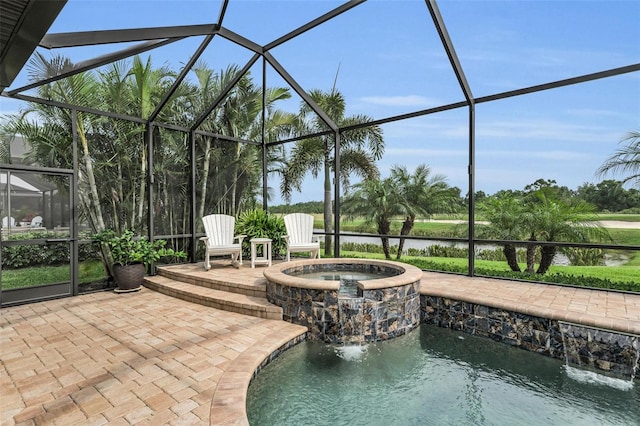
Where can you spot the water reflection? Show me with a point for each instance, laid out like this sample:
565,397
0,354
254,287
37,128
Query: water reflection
430,376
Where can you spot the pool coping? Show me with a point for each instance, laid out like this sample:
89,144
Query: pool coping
275,273
478,296
229,402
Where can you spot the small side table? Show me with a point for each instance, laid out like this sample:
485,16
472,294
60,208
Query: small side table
265,259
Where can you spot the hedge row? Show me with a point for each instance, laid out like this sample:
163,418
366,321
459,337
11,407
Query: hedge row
552,278
51,254
577,256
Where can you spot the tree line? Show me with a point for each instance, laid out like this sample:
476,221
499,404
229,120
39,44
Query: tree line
113,154
607,196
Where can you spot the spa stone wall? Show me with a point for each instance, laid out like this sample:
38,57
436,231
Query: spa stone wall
602,350
378,315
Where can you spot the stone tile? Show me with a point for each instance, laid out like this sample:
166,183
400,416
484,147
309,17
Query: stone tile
138,359
570,304
105,358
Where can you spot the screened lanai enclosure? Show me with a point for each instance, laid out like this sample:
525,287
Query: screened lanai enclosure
452,134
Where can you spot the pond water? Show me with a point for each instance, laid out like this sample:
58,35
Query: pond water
433,376
560,259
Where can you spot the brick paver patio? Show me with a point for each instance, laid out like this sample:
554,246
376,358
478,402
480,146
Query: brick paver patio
147,358
120,359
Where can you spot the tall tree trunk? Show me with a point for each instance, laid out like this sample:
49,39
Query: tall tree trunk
511,255
93,189
114,208
383,229
94,207
204,177
84,194
546,259
85,202
131,220
143,185
531,256
407,226
169,209
234,183
120,212
328,211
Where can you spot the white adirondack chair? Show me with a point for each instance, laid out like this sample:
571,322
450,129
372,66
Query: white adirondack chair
8,221
36,221
219,240
300,238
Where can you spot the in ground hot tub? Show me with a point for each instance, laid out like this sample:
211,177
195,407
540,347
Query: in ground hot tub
347,300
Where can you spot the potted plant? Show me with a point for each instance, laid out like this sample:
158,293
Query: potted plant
130,257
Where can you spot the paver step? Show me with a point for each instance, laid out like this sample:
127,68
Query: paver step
232,302
249,282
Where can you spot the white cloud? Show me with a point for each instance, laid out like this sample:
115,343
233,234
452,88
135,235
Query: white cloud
546,130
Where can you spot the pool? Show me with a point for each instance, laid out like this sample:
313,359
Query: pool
433,376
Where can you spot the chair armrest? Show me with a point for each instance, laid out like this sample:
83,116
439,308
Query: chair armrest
240,238
205,239
286,238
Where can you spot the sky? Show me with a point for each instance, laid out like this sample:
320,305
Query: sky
385,57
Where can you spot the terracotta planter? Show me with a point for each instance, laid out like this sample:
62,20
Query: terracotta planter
129,277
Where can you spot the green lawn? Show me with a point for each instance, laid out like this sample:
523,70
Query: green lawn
575,275
433,228
621,236
620,217
89,271
626,237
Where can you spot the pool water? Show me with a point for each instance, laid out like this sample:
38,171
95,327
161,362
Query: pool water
348,279
433,376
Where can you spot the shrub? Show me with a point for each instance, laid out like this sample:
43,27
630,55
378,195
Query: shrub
257,223
553,278
562,278
53,254
579,256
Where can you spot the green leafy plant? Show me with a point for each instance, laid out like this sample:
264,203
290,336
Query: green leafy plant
579,256
257,223
125,250
35,255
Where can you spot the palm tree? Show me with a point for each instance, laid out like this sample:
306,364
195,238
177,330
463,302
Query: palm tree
359,150
555,220
6,136
505,216
146,85
49,132
117,162
625,159
377,201
420,194
230,170
539,217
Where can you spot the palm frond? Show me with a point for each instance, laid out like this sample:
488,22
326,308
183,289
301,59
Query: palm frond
625,160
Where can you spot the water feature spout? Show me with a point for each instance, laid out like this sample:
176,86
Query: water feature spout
605,352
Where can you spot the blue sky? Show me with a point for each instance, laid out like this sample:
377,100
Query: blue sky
391,62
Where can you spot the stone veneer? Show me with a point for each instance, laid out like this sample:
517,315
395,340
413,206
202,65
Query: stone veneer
605,350
384,308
